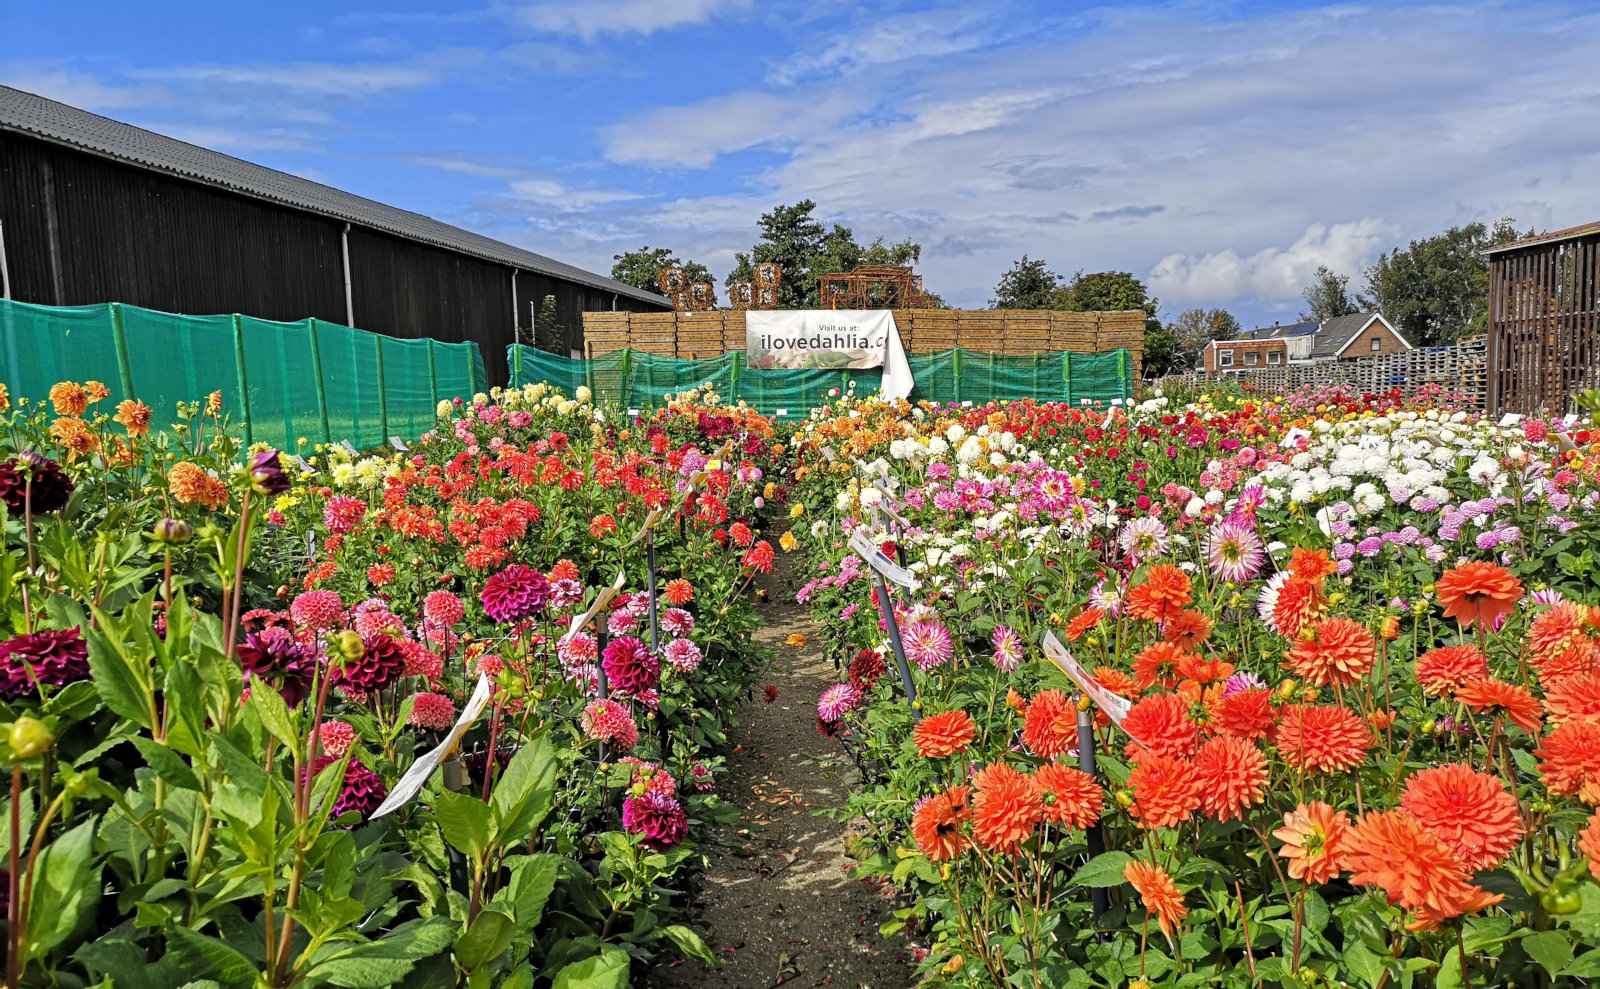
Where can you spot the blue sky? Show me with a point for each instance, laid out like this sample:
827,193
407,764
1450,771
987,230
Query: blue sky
1221,151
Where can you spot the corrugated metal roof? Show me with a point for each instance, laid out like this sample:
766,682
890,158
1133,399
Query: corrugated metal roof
29,113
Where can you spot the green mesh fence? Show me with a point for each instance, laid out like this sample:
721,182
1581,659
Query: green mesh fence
635,380
280,381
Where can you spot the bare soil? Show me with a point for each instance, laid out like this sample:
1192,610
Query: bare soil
778,904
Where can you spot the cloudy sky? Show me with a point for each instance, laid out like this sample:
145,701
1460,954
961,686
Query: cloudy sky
1219,150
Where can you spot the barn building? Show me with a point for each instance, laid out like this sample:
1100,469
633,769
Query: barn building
93,210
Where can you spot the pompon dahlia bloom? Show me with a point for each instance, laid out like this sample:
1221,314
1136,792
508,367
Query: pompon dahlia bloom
380,664
275,655
1415,869
936,824
515,593
866,669
342,514
657,817
1490,695
928,643
577,648
683,655
335,737
1444,670
1321,738
1313,836
946,734
1166,791
52,488
1160,723
421,661
1339,651
1165,590
1559,644
1246,713
676,621
1576,696
1006,807
435,712
837,701
1569,757
1159,894
1007,649
1233,777
1072,798
1478,592
443,608
679,592
629,666
605,720
317,610
53,658
1050,726
1234,552
1467,810
363,789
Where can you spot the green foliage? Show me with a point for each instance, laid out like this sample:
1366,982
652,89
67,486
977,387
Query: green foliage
1328,296
1436,290
643,268
1193,329
805,249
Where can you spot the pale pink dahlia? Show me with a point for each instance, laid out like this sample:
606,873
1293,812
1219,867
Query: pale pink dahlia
1007,648
435,712
684,655
317,610
928,643
606,720
837,701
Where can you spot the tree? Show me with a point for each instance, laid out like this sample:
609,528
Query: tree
805,249
642,268
1436,289
1328,296
1194,328
1116,290
1029,284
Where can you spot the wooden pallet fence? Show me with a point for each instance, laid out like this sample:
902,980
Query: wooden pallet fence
1460,369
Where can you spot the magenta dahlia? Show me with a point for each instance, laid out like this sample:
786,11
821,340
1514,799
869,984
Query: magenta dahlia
656,816
52,658
363,789
380,664
276,656
515,593
629,666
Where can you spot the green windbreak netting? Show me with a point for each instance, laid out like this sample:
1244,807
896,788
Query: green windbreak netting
636,380
280,382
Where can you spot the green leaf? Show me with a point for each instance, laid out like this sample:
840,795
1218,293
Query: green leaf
167,763
487,939
1363,963
1550,949
382,963
1585,966
690,943
124,684
524,791
185,709
198,954
607,970
532,879
464,821
273,712
67,888
74,702
1103,870
1449,976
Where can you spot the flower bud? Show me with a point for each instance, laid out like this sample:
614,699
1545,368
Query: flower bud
173,532
266,473
30,738
1287,688
349,646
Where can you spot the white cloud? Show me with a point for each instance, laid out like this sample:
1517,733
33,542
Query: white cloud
232,139
1275,273
324,79
76,88
463,166
590,19
548,192
882,41
696,135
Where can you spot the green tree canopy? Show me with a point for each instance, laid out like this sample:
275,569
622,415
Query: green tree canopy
805,249
1194,328
1436,290
1029,284
1328,296
643,267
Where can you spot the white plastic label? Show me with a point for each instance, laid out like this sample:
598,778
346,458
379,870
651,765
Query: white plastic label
604,598
893,572
398,444
1116,708
412,780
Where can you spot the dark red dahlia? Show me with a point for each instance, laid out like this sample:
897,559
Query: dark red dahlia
866,669
515,593
51,486
363,789
629,666
55,657
380,664
257,619
656,816
275,655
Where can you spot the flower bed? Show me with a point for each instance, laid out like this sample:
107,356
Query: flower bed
221,662
1349,676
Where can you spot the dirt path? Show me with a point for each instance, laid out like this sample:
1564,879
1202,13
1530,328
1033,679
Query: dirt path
778,904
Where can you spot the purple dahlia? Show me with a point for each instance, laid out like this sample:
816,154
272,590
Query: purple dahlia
380,664
275,655
266,473
55,657
363,789
51,486
515,593
629,666
656,816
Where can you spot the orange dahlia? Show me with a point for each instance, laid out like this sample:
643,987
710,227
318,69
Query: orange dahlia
1161,724
1444,670
69,398
1165,591
1166,791
1247,713
1338,650
944,734
936,825
1085,620
1559,644
1159,894
1156,663
1198,669
1478,592
1589,844
1186,629
1322,738
1050,726
1298,604
191,484
1415,869
1469,811
1576,696
1313,837
1233,777
1313,565
1116,681
1489,694
1569,757
1072,798
1006,807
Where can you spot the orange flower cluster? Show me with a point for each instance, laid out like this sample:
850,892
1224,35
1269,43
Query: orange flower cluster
945,734
1478,592
190,484
1333,651
1165,592
1414,867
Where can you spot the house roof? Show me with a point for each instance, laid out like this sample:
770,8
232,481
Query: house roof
1330,337
39,117
1567,233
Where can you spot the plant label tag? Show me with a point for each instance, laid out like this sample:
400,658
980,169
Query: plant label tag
411,782
1116,708
600,601
398,444
781,413
883,506
347,448
633,413
966,405
891,571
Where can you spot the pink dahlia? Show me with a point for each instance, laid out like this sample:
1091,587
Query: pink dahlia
684,655
420,660
53,658
343,513
577,649
565,592
928,643
373,617
363,789
677,621
443,608
335,737
701,779
317,610
837,701
515,593
659,818
1007,648
435,712
629,666
623,621
606,720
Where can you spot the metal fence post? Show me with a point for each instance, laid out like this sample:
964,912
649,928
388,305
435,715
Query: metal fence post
322,390
896,646
244,380
383,392
120,339
1095,835
955,363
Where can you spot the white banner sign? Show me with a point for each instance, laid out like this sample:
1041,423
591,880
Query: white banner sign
829,339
